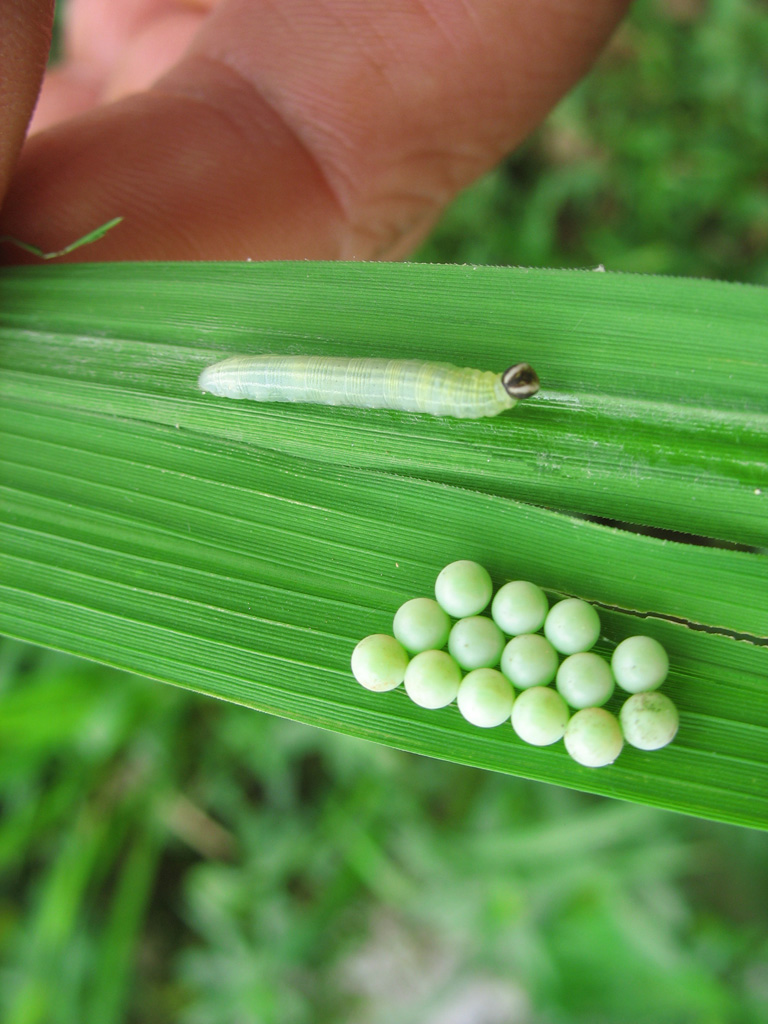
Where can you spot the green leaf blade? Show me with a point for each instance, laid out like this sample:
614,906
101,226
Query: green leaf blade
242,550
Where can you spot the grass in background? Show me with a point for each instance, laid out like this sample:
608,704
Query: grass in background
655,164
250,869
164,857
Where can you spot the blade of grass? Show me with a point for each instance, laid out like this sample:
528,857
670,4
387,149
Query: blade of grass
91,236
42,956
192,539
251,579
653,402
111,975
54,462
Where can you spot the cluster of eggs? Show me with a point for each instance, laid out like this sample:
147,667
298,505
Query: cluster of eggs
483,670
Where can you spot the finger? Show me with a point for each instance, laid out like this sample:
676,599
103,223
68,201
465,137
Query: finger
301,129
25,38
113,49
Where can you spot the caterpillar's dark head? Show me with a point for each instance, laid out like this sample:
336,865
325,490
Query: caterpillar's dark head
520,381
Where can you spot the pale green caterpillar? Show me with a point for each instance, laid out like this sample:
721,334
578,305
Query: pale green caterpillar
409,385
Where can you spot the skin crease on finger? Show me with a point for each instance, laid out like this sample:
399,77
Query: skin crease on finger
293,129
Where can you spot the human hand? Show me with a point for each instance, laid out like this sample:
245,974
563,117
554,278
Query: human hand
272,129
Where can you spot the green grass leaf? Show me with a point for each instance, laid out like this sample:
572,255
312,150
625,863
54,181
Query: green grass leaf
242,549
87,239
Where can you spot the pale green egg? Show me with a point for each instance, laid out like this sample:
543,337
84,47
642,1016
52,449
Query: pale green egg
519,607
529,660
463,588
432,679
476,642
379,662
585,680
593,737
485,697
649,720
421,625
572,626
539,716
640,663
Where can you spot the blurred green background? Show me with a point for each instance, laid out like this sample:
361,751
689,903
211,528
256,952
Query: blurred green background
165,857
